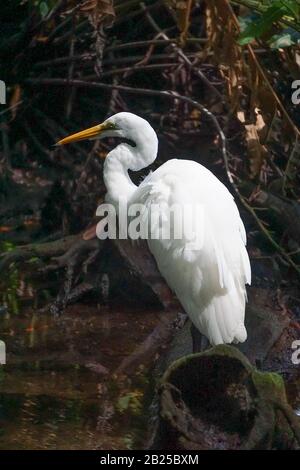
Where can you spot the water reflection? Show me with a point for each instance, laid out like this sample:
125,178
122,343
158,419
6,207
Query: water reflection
57,389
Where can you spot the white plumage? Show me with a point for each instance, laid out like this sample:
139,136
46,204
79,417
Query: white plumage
209,280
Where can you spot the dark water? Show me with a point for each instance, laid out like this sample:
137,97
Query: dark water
58,390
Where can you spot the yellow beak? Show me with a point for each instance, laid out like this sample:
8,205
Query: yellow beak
89,133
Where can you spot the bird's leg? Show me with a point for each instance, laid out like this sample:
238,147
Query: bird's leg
197,339
200,342
205,344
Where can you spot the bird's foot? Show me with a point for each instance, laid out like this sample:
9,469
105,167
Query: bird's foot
200,342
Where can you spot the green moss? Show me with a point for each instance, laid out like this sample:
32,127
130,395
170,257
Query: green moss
270,385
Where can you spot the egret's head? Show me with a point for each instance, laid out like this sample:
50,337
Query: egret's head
125,125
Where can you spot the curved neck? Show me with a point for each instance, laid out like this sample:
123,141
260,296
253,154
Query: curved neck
116,166
115,175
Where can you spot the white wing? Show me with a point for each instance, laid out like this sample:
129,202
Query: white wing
208,279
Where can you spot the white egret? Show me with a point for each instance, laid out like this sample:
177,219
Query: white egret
210,281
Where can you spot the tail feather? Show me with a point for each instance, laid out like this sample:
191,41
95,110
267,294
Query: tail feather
222,321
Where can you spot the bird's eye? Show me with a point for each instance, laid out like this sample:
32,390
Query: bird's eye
110,126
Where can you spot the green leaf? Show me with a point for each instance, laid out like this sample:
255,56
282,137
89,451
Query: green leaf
279,41
292,6
131,401
257,28
123,403
44,9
